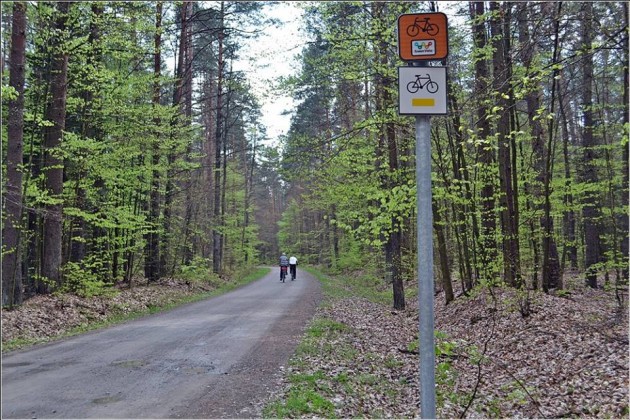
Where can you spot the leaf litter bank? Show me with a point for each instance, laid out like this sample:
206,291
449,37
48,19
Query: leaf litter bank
567,358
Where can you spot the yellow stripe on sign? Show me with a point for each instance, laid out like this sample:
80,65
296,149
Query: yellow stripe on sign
422,102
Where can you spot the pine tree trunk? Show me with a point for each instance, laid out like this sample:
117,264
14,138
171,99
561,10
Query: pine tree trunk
395,239
541,162
79,237
168,252
445,270
11,229
509,202
623,217
53,164
467,249
186,53
568,218
487,243
588,170
551,274
216,232
152,248
388,149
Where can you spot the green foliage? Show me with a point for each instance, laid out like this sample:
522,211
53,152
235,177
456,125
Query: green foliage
121,149
81,280
197,269
352,259
241,239
348,184
563,293
8,93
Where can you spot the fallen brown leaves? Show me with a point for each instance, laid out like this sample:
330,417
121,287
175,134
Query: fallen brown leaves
48,316
567,358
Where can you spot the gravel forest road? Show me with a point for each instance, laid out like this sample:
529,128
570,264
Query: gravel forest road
216,358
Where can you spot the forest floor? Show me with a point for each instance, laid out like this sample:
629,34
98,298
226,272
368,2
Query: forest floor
46,317
567,358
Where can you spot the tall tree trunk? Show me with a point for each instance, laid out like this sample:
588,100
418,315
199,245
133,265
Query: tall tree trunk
468,249
216,232
224,143
11,226
53,164
551,274
186,107
623,222
181,96
487,243
395,237
209,118
568,218
33,171
541,157
79,234
445,269
152,248
509,201
249,187
588,170
388,149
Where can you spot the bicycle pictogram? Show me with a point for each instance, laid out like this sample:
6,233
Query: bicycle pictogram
421,82
417,26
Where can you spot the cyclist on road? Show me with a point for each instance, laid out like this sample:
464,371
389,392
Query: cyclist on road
293,267
284,262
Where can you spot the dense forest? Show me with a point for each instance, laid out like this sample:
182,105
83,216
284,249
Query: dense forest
132,151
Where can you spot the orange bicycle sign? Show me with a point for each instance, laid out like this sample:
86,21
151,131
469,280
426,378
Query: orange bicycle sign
422,36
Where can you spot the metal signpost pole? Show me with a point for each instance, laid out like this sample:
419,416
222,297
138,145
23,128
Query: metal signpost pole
422,38
424,219
425,266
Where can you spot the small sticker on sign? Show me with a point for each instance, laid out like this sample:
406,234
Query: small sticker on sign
423,47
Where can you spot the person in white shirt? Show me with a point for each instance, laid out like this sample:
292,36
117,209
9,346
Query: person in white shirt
293,267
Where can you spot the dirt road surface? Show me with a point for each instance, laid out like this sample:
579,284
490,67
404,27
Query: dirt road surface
212,359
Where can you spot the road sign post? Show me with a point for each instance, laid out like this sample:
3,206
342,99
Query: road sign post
423,92
424,217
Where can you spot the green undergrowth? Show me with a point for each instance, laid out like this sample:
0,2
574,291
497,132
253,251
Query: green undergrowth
118,315
364,284
309,392
316,391
313,392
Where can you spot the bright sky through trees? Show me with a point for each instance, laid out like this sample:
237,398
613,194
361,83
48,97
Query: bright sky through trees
270,56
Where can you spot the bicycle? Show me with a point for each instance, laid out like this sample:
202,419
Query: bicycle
283,273
416,85
429,28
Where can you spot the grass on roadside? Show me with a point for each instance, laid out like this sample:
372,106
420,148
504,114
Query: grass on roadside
365,285
119,316
313,391
309,392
